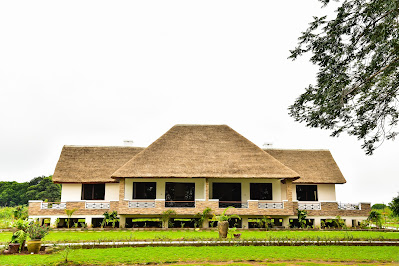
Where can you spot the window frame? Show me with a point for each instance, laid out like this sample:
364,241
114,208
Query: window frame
316,196
251,185
85,188
134,186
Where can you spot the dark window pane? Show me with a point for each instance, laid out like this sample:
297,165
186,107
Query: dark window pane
306,192
261,191
93,191
229,194
144,190
99,192
179,194
226,191
87,191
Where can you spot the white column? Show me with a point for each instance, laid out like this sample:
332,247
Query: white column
89,221
122,221
317,222
286,222
53,222
348,222
244,221
205,223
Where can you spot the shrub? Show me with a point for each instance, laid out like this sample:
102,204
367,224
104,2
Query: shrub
36,231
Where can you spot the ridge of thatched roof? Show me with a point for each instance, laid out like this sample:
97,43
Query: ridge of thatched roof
204,151
314,166
91,164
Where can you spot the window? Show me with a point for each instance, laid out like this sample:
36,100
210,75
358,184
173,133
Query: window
306,192
229,194
179,194
93,191
144,190
261,191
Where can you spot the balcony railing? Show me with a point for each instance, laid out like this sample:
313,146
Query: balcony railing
349,206
97,205
179,204
270,205
235,204
142,204
53,205
309,206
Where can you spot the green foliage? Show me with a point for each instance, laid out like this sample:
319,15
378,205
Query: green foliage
378,206
357,53
224,216
206,213
39,188
21,224
69,213
264,222
110,218
302,218
394,206
21,234
376,218
37,231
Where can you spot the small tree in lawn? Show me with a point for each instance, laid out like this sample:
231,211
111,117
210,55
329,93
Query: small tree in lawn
69,213
302,218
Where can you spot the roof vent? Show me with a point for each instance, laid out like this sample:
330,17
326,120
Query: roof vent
128,143
267,144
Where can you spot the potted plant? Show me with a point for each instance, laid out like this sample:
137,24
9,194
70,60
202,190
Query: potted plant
223,222
19,237
36,232
17,242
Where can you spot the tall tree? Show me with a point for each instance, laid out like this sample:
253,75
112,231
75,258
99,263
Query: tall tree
357,86
394,205
39,188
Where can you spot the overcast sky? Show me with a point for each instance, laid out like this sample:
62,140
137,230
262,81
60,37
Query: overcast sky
100,72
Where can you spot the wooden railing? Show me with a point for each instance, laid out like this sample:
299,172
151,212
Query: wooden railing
235,204
179,204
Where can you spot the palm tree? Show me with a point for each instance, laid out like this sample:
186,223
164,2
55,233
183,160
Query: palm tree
69,213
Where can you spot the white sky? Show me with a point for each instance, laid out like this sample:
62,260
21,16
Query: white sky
100,72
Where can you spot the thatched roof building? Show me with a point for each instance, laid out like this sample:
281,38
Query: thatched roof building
313,166
204,151
189,151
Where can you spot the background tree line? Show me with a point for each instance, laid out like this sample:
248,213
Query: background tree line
39,188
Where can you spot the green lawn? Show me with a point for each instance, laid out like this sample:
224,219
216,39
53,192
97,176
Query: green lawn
145,255
80,236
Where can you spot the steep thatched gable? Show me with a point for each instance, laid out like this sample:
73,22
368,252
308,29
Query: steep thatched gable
91,164
204,151
314,166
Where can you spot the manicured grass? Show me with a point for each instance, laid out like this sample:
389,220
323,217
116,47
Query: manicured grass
84,236
145,255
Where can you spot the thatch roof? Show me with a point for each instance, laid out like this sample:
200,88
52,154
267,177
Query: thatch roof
314,166
91,164
204,151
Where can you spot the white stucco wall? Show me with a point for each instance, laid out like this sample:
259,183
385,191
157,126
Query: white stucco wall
325,192
111,191
199,186
73,192
245,187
